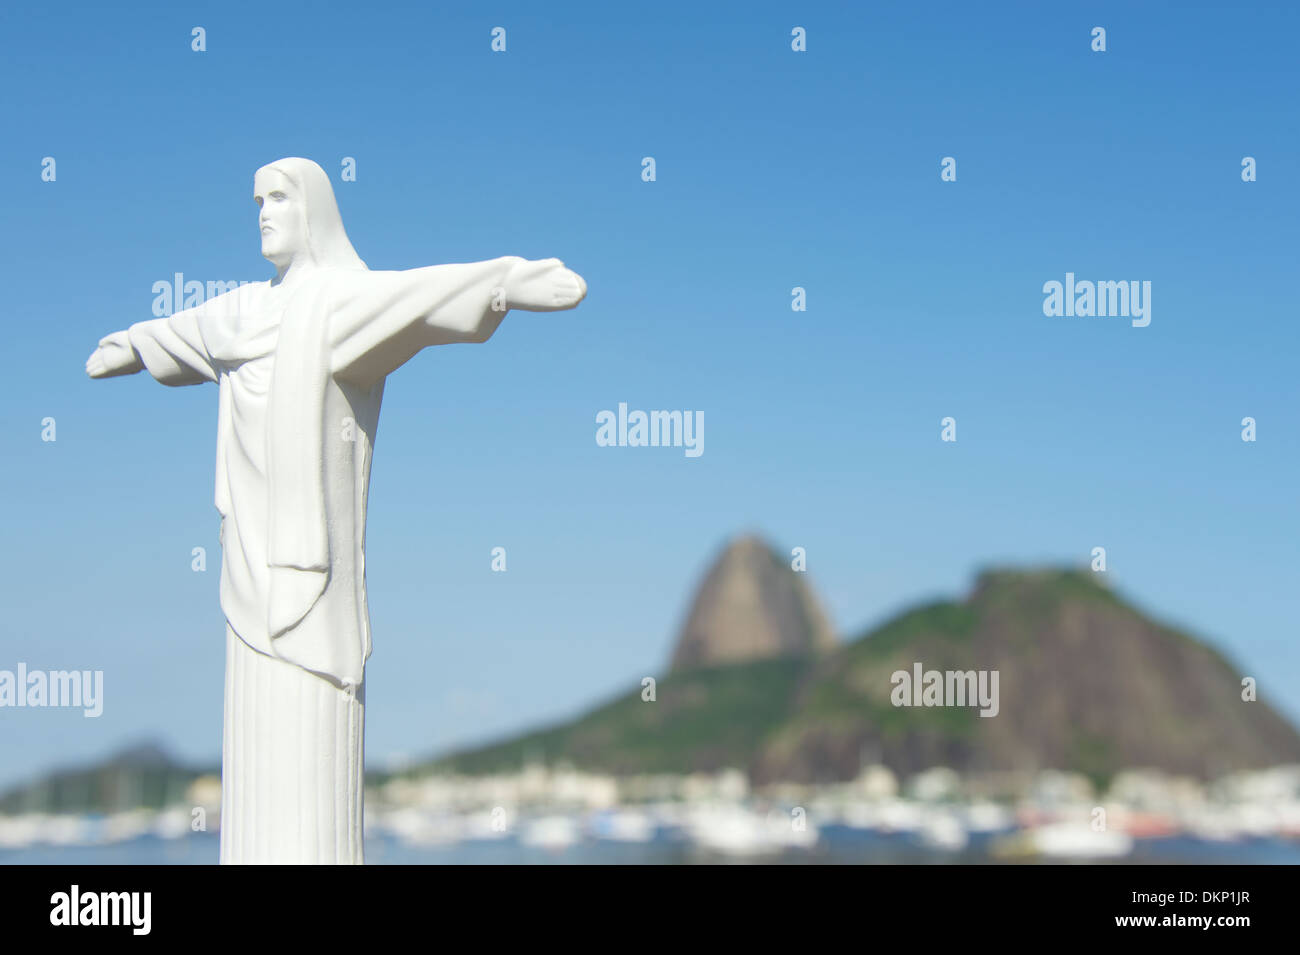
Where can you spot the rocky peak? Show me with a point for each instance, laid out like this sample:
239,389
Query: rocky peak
751,605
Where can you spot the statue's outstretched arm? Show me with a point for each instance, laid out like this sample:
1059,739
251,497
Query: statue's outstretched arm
172,349
379,320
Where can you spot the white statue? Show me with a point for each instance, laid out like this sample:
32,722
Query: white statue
300,363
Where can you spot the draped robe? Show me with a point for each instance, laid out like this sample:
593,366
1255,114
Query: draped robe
309,630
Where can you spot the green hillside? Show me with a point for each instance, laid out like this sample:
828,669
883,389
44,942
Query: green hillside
1086,683
702,719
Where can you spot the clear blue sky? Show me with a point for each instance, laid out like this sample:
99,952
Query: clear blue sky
775,169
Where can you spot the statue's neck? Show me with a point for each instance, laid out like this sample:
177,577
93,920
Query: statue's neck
293,274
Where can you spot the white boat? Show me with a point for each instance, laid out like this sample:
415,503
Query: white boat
174,823
623,825
486,826
19,832
1073,840
738,831
67,830
124,826
988,817
550,832
419,828
898,815
944,831
730,830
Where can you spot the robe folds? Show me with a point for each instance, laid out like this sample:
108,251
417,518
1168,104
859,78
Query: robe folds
301,378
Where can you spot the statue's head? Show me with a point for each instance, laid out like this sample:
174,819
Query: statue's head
299,219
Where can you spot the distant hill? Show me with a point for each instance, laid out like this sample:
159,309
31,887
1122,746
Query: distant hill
1086,683
751,606
143,775
703,719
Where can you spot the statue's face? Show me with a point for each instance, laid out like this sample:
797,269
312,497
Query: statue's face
282,217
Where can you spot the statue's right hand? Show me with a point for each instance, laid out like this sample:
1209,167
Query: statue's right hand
113,357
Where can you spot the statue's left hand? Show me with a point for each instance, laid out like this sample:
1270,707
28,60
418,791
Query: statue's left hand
114,356
543,285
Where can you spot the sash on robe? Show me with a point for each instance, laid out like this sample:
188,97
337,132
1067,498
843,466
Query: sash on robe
298,542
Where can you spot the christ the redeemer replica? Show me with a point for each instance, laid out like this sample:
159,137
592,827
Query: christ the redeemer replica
300,363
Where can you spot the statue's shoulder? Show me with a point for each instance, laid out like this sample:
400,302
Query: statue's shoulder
334,279
246,291
245,299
